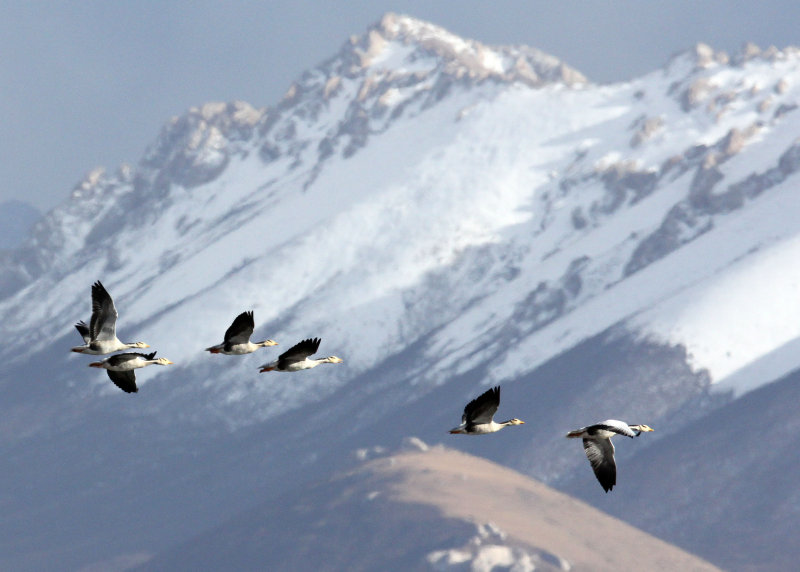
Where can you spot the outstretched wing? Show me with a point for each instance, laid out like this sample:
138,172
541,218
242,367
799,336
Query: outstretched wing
103,325
600,453
83,330
125,380
240,331
482,409
618,427
298,352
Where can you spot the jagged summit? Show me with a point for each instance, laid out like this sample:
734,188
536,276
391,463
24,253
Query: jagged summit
195,147
401,56
398,62
458,56
375,78
701,57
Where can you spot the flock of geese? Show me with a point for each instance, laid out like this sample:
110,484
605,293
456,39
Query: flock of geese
100,338
478,419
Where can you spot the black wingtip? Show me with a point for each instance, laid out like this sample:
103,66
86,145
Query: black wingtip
493,391
99,291
312,343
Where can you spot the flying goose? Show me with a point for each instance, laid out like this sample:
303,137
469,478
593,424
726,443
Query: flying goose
296,358
237,338
100,336
600,450
120,368
478,415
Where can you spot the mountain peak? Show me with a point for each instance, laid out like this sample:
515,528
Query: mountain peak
701,57
394,25
195,147
458,56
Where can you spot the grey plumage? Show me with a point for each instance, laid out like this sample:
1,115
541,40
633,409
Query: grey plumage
600,450
100,336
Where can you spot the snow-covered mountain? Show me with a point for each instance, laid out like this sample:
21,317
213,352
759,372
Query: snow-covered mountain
445,216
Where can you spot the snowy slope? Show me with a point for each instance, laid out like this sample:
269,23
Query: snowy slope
282,211
444,215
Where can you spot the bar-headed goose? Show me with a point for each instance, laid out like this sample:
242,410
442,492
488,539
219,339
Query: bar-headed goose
120,368
479,413
100,337
296,358
600,450
237,337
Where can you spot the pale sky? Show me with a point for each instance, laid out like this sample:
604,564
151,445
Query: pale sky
90,83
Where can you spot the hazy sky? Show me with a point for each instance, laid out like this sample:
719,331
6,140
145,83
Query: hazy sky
90,83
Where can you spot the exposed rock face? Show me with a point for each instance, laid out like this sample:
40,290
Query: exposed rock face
646,128
195,148
399,67
434,62
696,93
695,216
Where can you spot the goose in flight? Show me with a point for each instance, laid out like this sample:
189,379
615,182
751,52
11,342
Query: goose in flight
237,337
478,415
120,368
600,450
296,358
100,336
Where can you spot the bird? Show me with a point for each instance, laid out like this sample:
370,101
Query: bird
600,450
478,415
100,336
237,337
296,358
120,368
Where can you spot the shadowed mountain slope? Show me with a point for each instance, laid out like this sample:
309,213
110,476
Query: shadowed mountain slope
432,510
735,471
